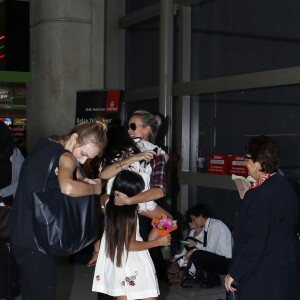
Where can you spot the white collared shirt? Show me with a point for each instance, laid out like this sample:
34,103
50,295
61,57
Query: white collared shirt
219,239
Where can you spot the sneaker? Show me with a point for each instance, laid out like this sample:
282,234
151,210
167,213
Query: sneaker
201,276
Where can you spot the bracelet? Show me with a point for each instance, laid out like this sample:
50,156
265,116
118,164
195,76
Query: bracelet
95,252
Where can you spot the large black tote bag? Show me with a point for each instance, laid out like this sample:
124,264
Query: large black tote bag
63,225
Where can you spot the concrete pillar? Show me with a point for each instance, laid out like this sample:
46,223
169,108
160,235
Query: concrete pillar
67,55
166,37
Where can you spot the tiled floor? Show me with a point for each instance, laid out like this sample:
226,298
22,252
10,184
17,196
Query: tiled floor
75,283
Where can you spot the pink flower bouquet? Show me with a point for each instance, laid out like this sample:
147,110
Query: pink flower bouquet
164,225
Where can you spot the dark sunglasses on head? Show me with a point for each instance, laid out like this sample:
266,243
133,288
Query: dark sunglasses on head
133,126
247,157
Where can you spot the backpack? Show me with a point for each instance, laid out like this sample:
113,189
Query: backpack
175,274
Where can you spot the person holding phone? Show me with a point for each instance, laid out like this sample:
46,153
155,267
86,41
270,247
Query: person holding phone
182,258
212,252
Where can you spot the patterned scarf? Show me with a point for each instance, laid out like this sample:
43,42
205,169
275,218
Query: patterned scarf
259,182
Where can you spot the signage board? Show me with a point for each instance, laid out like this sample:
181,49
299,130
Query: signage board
93,105
237,166
217,164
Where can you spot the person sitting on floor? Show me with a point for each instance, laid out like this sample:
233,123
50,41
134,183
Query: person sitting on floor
182,258
212,253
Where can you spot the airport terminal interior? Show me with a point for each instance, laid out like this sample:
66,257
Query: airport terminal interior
218,71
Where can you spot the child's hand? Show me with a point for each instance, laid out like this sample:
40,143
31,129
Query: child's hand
93,260
163,240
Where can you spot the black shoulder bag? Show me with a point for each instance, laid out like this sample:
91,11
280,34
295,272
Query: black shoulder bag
63,225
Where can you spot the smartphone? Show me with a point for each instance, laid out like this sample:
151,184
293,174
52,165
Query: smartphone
155,150
186,242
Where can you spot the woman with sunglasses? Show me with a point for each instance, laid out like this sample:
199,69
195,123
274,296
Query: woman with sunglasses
265,256
143,127
142,124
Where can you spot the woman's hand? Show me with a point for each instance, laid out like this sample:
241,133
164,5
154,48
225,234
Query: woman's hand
92,181
121,199
93,260
96,184
228,283
147,156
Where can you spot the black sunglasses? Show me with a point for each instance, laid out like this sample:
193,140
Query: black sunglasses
133,126
247,157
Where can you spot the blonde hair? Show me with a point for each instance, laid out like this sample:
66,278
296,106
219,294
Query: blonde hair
94,132
148,119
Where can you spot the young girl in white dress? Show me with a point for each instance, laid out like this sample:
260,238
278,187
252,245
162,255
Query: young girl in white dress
124,267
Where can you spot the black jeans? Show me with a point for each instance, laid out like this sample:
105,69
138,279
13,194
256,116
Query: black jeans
210,262
37,274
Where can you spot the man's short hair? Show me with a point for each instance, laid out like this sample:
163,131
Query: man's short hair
198,210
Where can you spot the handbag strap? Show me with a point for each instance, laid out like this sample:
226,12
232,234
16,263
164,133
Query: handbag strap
48,172
78,165
81,170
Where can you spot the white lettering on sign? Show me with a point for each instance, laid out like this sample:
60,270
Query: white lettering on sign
218,157
238,163
98,109
217,161
239,158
